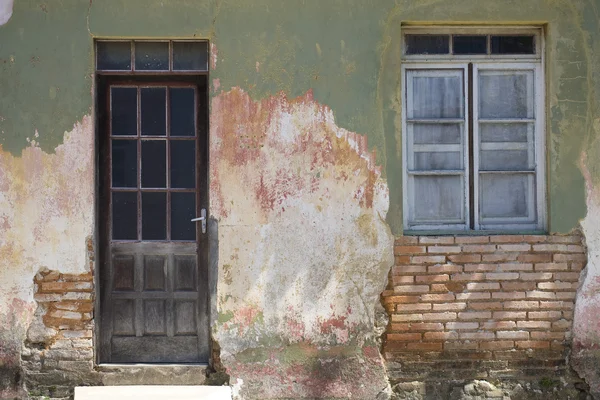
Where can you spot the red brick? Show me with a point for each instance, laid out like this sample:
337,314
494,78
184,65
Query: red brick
480,267
534,238
561,324
570,257
516,267
472,239
532,344
445,268
544,315
510,315
409,249
501,276
518,285
564,239
438,287
413,307
477,335
508,295
468,277
400,327
426,326
506,239
533,325
408,269
497,325
521,305
535,276
556,305
538,294
440,336
539,257
567,276
441,316
404,240
483,286
497,344
404,337
57,287
396,280
514,247
411,289
515,335
568,314
550,247
499,257
77,277
486,305
468,345
436,239
443,249
449,307
401,299
428,259
401,260
437,297
557,285
431,346
551,267
548,335
465,258
577,266
472,315
473,296
566,295
406,317
479,248
573,248
432,278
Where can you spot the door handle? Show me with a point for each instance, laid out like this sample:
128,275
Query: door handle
202,218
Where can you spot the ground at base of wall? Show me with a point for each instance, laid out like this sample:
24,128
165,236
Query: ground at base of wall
543,389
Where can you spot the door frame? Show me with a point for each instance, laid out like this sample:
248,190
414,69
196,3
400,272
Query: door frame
103,81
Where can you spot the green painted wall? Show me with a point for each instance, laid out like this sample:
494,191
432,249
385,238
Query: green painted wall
346,51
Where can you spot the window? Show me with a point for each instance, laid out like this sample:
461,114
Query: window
473,130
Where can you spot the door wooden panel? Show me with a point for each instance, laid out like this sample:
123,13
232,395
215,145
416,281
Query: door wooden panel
154,290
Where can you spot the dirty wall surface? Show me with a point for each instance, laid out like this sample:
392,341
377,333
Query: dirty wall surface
305,168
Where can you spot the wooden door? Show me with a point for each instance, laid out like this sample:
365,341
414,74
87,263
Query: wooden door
154,292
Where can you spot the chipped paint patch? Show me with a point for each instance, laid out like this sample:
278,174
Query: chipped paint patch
303,245
6,10
46,212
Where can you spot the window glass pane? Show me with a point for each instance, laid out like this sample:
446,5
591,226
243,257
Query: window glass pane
183,210
426,161
190,56
498,132
154,164
113,56
505,195
154,216
182,104
503,160
124,215
438,198
513,45
152,56
506,94
154,111
436,96
463,44
183,164
436,133
123,111
124,163
427,44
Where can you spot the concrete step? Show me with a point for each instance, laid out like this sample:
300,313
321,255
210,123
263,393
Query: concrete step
153,392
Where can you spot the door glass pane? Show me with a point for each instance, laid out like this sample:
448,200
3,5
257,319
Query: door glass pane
436,97
113,56
182,105
513,45
123,111
506,94
427,44
151,56
183,164
438,198
124,163
497,132
154,164
503,160
183,210
425,161
505,195
464,44
154,111
124,215
190,56
154,216
436,133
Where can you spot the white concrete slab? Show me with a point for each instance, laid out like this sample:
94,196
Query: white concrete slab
153,392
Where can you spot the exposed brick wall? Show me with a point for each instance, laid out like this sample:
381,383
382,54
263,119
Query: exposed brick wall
481,306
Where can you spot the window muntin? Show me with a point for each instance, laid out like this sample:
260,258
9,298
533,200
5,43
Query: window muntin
473,150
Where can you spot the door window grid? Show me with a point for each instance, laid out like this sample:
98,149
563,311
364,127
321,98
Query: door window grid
526,173
176,198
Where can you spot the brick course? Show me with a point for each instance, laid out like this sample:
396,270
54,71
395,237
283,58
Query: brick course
503,298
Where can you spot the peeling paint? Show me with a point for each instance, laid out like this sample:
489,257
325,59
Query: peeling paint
6,10
285,173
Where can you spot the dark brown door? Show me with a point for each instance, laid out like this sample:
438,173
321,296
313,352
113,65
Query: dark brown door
154,299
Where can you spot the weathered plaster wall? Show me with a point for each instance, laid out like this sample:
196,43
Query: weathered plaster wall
287,75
